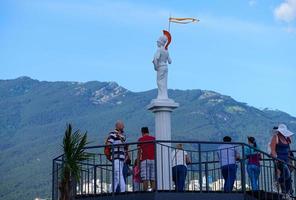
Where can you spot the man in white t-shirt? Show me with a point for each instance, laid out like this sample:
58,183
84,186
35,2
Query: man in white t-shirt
180,159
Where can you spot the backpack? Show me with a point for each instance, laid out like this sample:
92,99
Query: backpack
107,150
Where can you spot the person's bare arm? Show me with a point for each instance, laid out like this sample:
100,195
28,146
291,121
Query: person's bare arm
139,155
188,160
273,145
109,140
127,153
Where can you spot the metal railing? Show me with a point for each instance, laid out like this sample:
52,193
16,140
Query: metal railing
204,172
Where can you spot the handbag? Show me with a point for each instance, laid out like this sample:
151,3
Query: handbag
127,171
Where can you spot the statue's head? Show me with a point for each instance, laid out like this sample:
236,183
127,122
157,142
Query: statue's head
162,40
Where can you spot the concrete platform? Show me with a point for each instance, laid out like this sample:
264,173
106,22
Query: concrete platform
168,195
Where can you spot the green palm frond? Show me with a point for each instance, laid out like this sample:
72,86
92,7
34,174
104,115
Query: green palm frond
74,153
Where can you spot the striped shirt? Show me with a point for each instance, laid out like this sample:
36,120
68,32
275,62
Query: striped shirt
116,138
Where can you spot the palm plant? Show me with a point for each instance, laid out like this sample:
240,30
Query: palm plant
74,153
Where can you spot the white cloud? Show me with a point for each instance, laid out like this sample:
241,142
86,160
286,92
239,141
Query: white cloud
286,11
290,29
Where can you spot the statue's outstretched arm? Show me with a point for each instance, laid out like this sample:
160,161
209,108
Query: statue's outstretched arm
169,59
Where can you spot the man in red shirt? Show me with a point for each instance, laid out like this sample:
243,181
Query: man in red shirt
146,156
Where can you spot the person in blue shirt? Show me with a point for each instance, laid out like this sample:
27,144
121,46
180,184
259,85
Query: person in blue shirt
253,163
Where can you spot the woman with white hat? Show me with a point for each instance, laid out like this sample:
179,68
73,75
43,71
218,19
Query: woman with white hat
280,149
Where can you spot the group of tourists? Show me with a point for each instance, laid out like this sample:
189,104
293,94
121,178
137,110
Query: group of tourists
228,155
279,149
144,165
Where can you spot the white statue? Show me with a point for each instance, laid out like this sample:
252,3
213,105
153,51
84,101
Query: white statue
161,58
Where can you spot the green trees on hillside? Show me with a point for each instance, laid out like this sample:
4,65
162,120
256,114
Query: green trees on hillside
73,148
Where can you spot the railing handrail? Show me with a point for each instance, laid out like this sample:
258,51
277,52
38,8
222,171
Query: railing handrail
166,141
189,142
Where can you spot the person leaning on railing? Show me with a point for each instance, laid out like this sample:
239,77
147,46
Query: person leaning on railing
253,163
280,149
228,155
180,160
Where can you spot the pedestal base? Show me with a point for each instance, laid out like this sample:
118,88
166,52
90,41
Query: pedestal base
162,108
157,105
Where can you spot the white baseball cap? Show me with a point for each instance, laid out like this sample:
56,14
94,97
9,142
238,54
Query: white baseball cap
282,128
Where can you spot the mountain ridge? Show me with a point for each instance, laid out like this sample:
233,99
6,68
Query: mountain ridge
114,83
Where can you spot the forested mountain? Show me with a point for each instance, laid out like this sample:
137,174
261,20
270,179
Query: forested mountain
33,116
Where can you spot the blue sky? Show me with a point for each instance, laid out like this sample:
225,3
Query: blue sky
241,48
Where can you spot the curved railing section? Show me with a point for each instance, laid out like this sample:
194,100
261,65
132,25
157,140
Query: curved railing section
204,173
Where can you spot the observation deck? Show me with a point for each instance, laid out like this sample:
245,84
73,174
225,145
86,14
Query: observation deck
204,179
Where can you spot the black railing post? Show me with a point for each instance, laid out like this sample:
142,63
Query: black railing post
243,170
294,181
53,180
200,167
170,167
95,179
74,187
161,158
80,183
101,175
207,173
155,166
113,173
57,193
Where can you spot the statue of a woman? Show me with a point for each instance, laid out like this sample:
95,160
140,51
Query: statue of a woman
161,58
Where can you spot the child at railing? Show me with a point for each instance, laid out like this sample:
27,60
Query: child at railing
136,177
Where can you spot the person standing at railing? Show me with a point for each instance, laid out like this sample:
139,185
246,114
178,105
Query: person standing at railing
146,156
253,163
280,149
228,155
180,159
118,158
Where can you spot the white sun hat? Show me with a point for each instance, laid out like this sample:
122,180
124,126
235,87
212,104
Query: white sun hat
282,128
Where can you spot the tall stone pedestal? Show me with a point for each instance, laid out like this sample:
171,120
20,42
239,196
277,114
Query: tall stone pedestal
162,108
